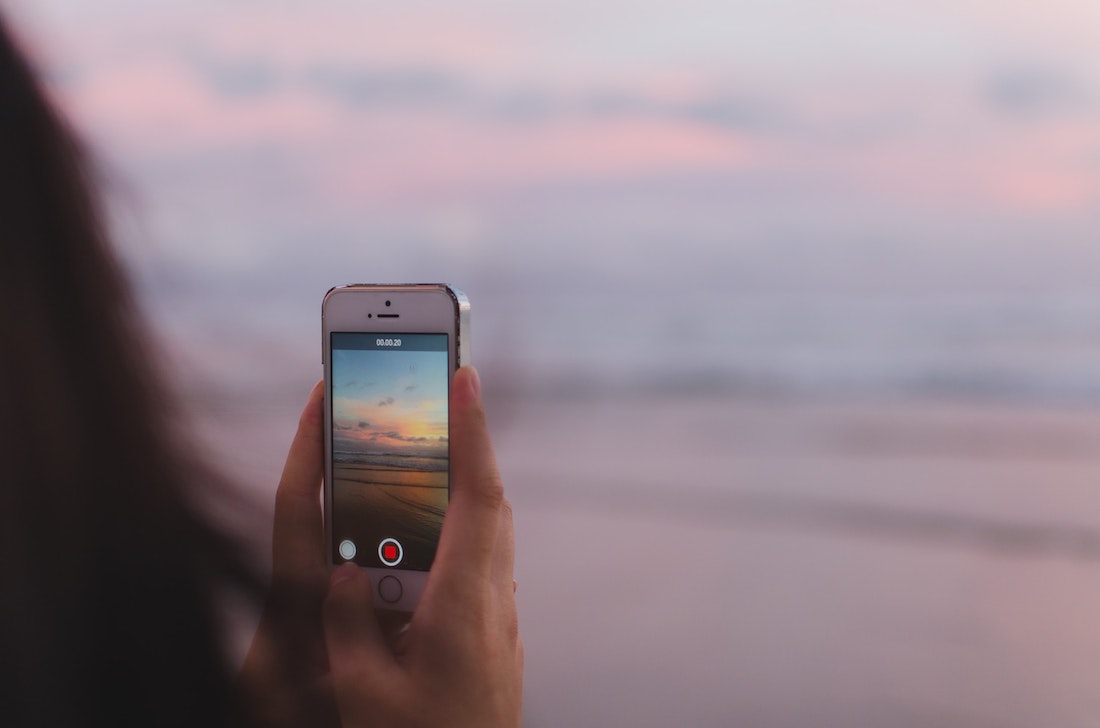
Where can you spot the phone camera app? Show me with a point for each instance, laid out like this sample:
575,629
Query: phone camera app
347,550
390,442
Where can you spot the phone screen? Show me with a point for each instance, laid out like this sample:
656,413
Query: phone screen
389,447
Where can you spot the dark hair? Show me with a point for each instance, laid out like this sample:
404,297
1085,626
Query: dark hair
110,573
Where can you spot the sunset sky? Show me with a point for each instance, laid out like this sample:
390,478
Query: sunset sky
390,402
715,156
993,101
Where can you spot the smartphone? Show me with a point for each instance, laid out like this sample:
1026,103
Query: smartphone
390,352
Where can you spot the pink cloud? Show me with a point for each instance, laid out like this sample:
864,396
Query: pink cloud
161,106
401,155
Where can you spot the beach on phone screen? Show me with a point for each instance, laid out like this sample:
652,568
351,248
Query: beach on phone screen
390,446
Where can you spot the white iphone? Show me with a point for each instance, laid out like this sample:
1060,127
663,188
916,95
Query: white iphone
390,352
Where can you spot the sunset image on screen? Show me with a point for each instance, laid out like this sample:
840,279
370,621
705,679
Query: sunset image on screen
389,444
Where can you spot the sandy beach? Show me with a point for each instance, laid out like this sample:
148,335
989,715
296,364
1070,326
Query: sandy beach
715,562
407,505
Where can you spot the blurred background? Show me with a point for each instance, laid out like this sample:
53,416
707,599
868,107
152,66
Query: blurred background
787,313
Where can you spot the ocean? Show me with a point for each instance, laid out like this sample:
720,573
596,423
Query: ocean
537,336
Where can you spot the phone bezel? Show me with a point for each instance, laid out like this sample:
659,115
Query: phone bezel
419,309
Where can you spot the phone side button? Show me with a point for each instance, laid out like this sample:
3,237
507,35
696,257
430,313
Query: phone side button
390,589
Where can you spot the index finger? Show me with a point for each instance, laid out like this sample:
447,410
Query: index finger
297,548
470,528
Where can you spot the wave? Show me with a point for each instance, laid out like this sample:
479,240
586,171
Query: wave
393,460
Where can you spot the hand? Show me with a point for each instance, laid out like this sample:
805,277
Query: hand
284,680
460,661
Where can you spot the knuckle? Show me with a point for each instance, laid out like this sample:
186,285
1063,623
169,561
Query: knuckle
490,491
282,494
511,628
284,502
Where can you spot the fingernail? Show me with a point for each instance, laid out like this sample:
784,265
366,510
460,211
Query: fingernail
343,573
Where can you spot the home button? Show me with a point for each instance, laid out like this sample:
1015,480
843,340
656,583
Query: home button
390,589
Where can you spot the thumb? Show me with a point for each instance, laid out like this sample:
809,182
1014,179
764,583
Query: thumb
360,661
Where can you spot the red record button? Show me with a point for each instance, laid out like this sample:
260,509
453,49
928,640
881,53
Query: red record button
390,552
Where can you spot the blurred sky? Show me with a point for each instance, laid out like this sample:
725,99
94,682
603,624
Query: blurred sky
830,198
792,194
